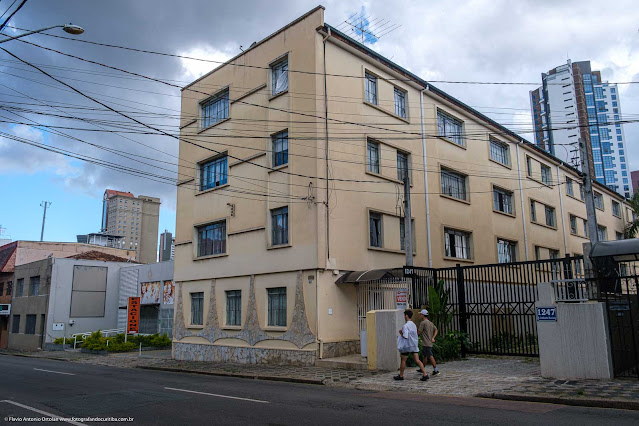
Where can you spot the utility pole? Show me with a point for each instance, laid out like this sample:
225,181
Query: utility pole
44,204
408,224
588,193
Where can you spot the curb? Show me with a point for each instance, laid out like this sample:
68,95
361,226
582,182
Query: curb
239,375
36,357
622,404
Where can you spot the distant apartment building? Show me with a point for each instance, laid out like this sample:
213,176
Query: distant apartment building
167,247
634,177
135,220
574,102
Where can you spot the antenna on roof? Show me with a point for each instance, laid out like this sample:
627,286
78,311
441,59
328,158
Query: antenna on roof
367,29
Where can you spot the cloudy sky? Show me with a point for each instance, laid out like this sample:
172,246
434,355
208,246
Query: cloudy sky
490,40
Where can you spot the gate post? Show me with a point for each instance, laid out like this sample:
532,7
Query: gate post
461,303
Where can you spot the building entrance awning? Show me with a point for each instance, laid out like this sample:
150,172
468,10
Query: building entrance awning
354,277
619,250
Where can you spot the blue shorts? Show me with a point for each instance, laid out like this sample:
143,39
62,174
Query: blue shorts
427,351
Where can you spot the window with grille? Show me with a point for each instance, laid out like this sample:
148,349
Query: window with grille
550,216
279,226
279,76
197,308
402,165
213,173
598,200
499,152
573,224
616,208
34,286
454,184
211,239
546,175
457,243
506,251
371,88
215,109
449,128
372,156
400,103
280,148
503,201
533,211
375,229
277,306
602,233
30,325
569,189
234,307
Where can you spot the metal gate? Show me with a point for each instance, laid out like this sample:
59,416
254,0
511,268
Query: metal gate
379,294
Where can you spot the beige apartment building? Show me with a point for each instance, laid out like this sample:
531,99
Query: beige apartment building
292,156
135,220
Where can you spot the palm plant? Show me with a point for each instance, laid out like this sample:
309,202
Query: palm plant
632,229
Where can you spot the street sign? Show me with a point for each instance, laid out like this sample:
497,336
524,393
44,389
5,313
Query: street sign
408,271
401,298
547,314
133,322
5,308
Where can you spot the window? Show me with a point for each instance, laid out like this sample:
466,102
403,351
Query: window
529,166
375,229
586,232
573,224
503,200
602,233
499,153
371,88
546,175
15,324
277,306
30,326
9,287
279,76
569,189
215,109
449,128
372,157
213,173
280,148
533,211
402,165
197,308
581,191
279,226
34,286
402,234
619,235
1,288
453,184
400,103
616,208
553,254
457,244
234,307
598,200
211,239
506,251
550,216
20,287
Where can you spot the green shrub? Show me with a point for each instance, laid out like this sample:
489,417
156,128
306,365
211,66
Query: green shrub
115,346
59,341
449,346
94,342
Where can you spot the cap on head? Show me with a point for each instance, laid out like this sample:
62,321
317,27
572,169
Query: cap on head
424,312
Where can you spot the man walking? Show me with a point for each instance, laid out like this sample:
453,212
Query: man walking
428,332
407,344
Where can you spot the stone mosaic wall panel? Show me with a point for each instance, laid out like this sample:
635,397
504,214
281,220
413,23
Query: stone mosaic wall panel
242,355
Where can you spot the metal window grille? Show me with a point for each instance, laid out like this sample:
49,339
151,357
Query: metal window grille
546,175
212,239
550,216
279,226
277,306
34,286
506,251
402,166
213,173
30,325
499,152
234,307
400,103
215,109
569,189
371,88
197,308
457,243
503,201
453,184
372,157
280,149
375,229
449,128
280,76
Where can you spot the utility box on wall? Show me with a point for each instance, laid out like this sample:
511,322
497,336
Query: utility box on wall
382,329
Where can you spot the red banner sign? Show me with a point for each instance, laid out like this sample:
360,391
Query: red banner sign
133,323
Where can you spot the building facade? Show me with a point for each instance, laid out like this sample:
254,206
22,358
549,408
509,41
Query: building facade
573,102
135,220
267,224
634,176
167,247
7,263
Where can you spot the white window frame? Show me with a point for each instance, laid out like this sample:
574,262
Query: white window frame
279,76
462,244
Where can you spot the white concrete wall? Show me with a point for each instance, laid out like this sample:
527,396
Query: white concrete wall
382,329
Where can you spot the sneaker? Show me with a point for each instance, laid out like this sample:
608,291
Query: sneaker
434,373
419,370
424,378
398,377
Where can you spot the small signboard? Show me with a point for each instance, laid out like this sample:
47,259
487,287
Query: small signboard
408,271
58,326
622,305
5,308
133,322
401,298
547,314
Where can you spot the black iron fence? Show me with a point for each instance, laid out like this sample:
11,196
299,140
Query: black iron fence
494,304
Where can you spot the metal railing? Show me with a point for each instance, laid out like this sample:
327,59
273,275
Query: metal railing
574,290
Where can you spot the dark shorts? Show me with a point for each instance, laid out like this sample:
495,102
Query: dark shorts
427,351
407,353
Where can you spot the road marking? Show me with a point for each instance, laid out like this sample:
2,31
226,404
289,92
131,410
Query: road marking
219,396
56,372
44,413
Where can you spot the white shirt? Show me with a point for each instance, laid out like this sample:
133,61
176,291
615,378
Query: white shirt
409,341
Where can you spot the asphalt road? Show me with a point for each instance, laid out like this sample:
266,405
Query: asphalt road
39,387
